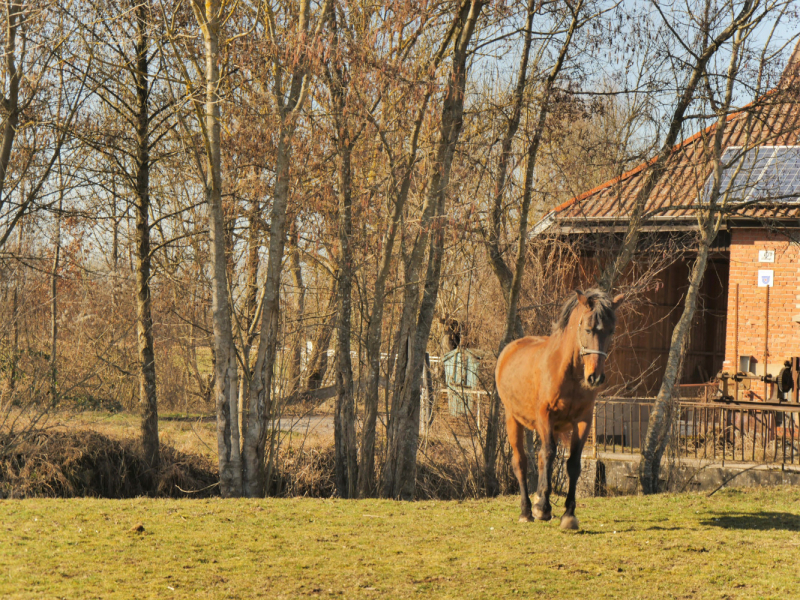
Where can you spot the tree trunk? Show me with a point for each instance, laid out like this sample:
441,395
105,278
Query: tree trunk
709,220
344,418
399,473
255,438
14,13
366,470
144,319
298,340
261,383
658,425
344,434
251,286
318,361
250,308
255,435
501,269
14,359
225,372
54,295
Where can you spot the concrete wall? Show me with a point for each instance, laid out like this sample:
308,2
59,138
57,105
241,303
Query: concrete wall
612,474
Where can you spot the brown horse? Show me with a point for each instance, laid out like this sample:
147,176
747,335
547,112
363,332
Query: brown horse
549,384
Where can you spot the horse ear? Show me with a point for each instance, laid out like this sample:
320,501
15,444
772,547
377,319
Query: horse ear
618,299
582,299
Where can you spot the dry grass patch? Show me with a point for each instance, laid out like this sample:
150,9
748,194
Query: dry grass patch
67,464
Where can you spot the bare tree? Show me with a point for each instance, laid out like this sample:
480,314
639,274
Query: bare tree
338,81
289,102
401,170
697,61
210,17
399,473
32,139
575,17
710,211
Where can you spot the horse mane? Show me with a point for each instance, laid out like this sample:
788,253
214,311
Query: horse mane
600,304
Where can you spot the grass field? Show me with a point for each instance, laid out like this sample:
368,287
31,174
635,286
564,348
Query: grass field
736,544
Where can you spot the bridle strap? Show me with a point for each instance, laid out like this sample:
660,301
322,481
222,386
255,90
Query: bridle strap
585,351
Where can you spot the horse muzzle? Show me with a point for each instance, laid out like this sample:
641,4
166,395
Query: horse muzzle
595,380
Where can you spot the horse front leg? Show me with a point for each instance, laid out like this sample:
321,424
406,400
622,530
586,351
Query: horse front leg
580,431
542,509
519,462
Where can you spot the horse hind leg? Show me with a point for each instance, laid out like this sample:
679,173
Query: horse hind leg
519,462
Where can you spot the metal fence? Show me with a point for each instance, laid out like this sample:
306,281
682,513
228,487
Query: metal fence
759,432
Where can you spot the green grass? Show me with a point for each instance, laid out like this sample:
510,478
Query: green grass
736,544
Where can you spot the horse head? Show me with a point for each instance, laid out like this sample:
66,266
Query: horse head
596,317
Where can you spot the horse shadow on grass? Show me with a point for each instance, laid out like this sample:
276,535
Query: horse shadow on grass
761,520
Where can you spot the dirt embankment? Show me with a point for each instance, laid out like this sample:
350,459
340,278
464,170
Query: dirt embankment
68,464
79,461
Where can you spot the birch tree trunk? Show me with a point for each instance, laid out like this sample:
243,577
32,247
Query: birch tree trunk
254,474
399,473
225,372
709,221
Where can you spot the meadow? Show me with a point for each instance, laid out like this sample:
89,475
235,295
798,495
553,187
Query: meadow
734,544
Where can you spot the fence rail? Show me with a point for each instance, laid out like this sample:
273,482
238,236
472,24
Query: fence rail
757,432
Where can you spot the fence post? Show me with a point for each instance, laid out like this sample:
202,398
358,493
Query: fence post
594,431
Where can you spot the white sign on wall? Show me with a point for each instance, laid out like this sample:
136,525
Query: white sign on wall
765,277
766,256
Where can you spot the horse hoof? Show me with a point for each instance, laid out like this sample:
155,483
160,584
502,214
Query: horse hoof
542,515
526,519
569,522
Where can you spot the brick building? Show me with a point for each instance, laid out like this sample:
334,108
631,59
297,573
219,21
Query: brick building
749,309
753,250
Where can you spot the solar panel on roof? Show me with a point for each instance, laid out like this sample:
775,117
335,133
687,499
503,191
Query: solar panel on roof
764,173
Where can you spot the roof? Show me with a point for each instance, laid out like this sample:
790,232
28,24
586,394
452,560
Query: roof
775,122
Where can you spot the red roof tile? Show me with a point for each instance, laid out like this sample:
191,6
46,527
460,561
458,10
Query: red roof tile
775,121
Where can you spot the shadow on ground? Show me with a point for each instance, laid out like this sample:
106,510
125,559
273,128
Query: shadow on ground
756,520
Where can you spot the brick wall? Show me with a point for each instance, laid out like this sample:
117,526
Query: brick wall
784,299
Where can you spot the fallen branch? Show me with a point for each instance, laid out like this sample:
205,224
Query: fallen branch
731,478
